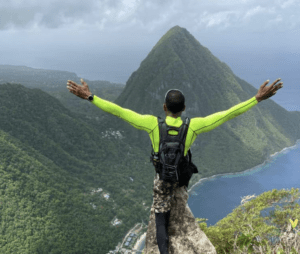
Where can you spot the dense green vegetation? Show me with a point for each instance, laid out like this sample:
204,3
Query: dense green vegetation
51,160
247,223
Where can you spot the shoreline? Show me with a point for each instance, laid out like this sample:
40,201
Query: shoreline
247,170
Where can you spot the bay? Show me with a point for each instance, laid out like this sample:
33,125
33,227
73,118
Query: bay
215,197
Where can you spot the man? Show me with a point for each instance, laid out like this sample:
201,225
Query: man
164,193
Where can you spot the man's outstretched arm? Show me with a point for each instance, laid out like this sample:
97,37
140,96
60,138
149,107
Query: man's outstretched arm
205,124
141,122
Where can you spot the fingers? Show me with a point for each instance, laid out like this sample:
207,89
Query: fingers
265,83
279,85
274,85
276,81
70,83
71,86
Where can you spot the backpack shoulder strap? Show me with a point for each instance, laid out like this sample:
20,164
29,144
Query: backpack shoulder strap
162,129
187,122
160,120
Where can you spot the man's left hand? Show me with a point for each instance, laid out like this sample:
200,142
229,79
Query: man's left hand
266,92
81,91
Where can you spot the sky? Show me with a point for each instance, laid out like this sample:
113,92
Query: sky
108,39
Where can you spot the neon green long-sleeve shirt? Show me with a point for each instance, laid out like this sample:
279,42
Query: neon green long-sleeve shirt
197,125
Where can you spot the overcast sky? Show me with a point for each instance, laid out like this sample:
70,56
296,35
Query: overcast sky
107,40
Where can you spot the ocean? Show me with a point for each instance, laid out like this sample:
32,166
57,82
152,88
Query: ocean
215,197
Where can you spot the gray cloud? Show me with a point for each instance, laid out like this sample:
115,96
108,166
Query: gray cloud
151,14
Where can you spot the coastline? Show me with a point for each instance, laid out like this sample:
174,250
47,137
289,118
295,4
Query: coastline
286,149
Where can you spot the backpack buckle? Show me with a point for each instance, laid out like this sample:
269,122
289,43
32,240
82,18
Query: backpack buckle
171,166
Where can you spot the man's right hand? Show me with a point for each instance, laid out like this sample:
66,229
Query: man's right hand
265,92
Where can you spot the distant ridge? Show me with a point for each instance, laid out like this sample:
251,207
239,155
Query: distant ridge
47,80
54,82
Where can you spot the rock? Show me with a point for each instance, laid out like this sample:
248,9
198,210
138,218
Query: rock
185,236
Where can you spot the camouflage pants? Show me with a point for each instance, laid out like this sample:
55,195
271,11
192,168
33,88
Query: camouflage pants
185,235
163,194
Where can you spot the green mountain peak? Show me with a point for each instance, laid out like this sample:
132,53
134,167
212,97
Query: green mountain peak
177,61
175,31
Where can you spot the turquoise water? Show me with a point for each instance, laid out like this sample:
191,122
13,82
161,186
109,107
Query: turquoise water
214,198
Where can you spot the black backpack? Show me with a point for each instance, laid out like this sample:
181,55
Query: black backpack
169,162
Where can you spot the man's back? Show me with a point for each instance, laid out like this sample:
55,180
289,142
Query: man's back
197,125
